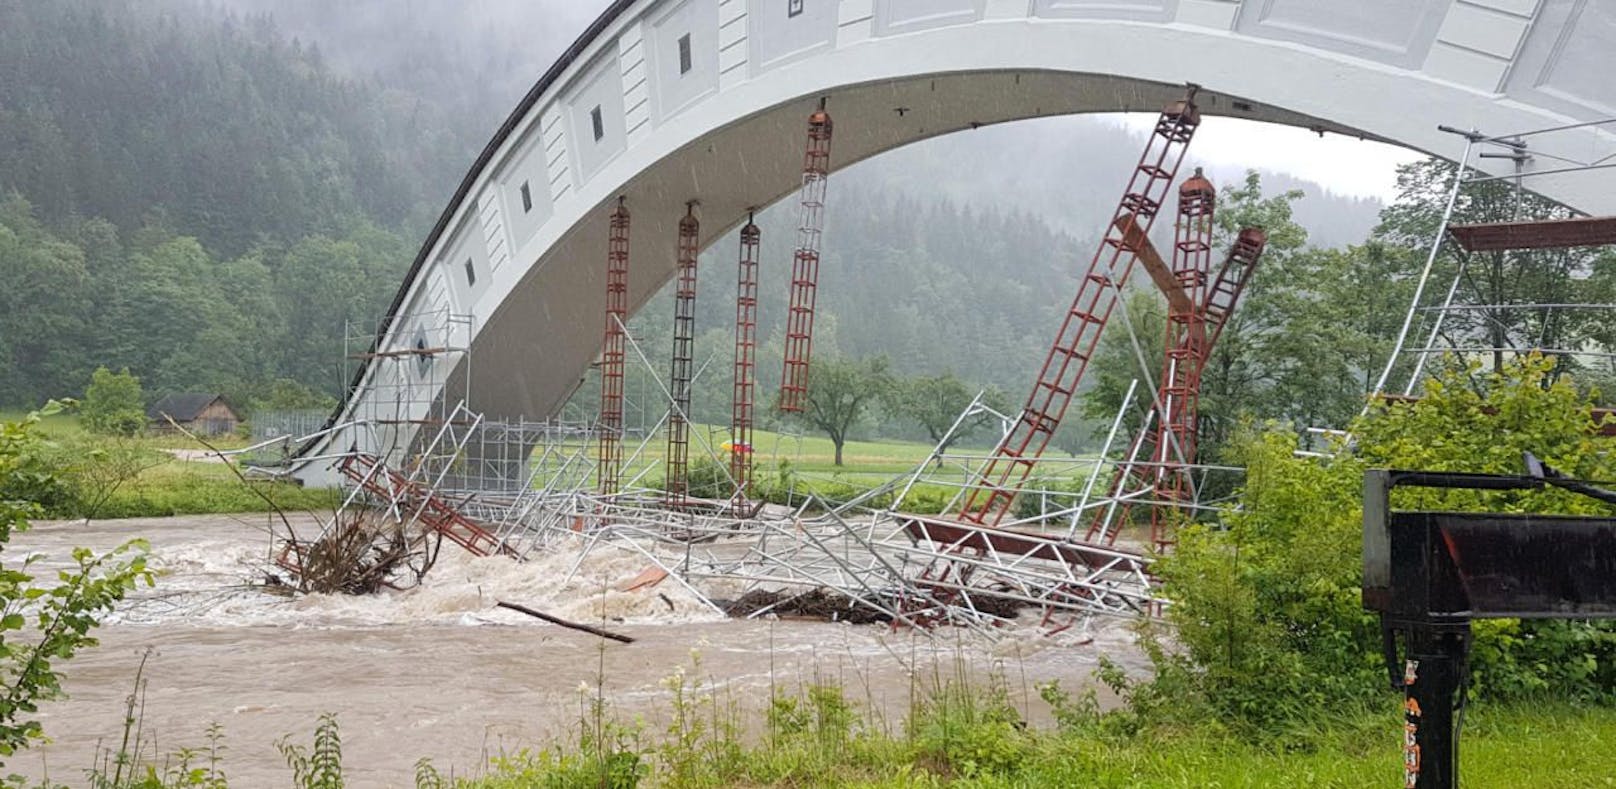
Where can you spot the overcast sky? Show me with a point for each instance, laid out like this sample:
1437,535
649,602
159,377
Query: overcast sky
1344,165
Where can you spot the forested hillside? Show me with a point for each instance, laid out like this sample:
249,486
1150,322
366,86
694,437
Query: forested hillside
203,199
213,124
208,194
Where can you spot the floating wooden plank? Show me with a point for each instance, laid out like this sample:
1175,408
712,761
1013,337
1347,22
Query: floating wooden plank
595,631
1590,231
649,577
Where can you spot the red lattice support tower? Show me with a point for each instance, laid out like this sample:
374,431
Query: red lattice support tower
1179,388
1231,281
805,263
677,484
610,450
746,306
1080,329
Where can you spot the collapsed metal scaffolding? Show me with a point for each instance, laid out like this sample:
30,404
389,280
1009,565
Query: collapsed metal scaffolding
525,489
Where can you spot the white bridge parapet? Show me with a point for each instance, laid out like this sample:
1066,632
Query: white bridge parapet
664,101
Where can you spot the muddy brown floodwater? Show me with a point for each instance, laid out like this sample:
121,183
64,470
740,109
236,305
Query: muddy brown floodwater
439,672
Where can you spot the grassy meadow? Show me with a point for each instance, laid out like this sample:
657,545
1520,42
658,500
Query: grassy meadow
141,477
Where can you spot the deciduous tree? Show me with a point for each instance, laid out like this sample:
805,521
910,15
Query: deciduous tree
840,392
113,403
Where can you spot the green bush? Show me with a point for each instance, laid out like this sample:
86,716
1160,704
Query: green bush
113,404
1268,628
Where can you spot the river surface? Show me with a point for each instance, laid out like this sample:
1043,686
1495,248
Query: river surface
439,672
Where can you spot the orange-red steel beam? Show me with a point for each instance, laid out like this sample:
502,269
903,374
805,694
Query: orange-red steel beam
1589,231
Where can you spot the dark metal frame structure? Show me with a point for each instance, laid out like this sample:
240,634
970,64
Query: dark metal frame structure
1428,574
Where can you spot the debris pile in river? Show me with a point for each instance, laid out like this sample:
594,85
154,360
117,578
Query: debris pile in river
813,604
359,553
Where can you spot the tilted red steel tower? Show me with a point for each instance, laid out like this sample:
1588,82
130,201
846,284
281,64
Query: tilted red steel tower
805,263
1080,329
1163,440
1179,388
1169,446
746,288
677,483
610,454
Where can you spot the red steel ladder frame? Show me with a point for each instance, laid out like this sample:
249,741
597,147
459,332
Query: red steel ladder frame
1191,343
746,288
1080,329
805,263
610,450
677,484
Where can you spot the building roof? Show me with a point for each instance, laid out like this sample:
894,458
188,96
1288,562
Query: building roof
184,406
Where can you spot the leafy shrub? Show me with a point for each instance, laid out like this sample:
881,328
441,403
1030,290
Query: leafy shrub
1269,632
46,624
113,404
319,767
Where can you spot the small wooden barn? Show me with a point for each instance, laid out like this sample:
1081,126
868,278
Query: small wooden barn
201,413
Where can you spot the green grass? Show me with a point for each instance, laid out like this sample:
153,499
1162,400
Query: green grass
818,738
187,488
866,464
175,487
164,485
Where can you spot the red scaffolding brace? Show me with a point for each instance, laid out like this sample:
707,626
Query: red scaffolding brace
677,484
1080,329
805,263
1169,440
740,451
610,454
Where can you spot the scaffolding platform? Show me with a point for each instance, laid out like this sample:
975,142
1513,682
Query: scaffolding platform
1588,231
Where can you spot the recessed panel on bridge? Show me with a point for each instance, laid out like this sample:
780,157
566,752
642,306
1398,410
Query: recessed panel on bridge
895,17
1399,32
683,45
524,190
1565,62
780,31
464,263
595,113
1143,10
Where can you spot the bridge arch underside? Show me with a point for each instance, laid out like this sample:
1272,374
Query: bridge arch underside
539,318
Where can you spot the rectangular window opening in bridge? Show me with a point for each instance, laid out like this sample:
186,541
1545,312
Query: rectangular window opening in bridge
527,198
598,123
793,8
684,54
471,273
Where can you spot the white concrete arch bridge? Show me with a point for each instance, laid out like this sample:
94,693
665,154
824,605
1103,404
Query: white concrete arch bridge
666,101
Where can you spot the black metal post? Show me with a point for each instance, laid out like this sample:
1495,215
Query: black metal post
1431,678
